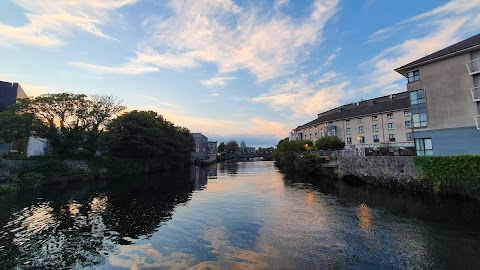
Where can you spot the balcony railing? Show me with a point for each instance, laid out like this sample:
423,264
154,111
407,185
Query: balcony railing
477,121
475,93
473,66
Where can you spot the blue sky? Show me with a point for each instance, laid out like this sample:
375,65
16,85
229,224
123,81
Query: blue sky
250,70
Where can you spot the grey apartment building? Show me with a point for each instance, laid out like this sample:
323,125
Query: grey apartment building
444,90
369,123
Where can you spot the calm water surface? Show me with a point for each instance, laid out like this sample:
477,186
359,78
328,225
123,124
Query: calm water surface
236,216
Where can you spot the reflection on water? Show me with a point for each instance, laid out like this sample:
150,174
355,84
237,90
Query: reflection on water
235,216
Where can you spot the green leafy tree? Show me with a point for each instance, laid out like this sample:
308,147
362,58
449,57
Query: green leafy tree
147,135
330,143
287,151
231,147
221,147
14,126
69,121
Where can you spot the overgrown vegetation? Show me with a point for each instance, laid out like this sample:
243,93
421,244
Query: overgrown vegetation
79,127
454,175
293,155
330,143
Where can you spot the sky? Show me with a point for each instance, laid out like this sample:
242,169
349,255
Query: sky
230,69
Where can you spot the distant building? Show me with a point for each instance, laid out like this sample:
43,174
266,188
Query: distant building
372,123
212,151
243,144
201,147
9,94
444,90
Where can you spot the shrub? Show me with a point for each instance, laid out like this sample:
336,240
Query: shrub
456,175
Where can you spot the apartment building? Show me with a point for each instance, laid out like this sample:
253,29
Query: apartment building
366,124
444,90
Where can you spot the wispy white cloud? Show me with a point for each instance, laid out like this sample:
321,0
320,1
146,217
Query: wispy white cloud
434,30
50,21
303,98
217,81
266,43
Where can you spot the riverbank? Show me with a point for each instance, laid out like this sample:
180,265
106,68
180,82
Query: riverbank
32,173
454,176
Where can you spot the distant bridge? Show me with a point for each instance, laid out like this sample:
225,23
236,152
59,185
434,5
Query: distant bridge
266,156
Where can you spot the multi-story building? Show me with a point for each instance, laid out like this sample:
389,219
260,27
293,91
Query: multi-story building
212,151
9,93
444,89
374,123
201,147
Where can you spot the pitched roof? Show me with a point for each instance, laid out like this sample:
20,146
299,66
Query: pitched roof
398,101
446,52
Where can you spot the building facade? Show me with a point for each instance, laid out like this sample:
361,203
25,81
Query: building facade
444,90
212,151
368,124
201,147
9,94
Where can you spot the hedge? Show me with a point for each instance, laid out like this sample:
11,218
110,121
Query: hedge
454,175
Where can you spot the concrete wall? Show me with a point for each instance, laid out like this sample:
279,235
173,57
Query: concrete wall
456,141
381,170
447,89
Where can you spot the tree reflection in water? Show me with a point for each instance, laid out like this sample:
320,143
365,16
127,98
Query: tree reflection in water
80,227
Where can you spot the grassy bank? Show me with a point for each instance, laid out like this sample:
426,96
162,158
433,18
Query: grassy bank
452,175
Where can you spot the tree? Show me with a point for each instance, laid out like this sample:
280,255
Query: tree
14,126
221,147
69,121
231,147
330,143
147,135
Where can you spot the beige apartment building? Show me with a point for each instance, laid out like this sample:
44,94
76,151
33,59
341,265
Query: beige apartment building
444,89
368,124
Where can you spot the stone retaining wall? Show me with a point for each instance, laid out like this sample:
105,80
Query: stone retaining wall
381,170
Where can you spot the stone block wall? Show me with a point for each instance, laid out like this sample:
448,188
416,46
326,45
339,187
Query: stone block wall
381,170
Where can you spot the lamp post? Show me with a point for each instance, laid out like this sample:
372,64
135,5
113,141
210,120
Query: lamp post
361,144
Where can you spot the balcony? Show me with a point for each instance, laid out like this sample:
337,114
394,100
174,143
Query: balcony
475,93
473,66
477,121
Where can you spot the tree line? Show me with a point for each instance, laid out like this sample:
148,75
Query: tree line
81,125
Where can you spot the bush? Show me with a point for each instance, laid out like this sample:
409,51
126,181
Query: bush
455,175
330,143
307,164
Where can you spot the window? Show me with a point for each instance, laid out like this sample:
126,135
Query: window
315,127
349,131
417,97
375,128
361,139
407,113
347,122
310,136
413,76
310,128
419,119
375,138
349,140
389,115
408,124
316,135
330,123
391,126
360,129
374,118
424,147
391,137
360,120
409,137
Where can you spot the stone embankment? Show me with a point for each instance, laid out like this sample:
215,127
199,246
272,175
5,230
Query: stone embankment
397,171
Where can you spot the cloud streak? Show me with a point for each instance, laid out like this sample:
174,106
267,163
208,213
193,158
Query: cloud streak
266,43
51,21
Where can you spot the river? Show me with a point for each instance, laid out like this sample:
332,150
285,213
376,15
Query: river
235,216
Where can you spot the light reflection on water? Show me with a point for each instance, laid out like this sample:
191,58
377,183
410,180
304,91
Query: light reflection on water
235,216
